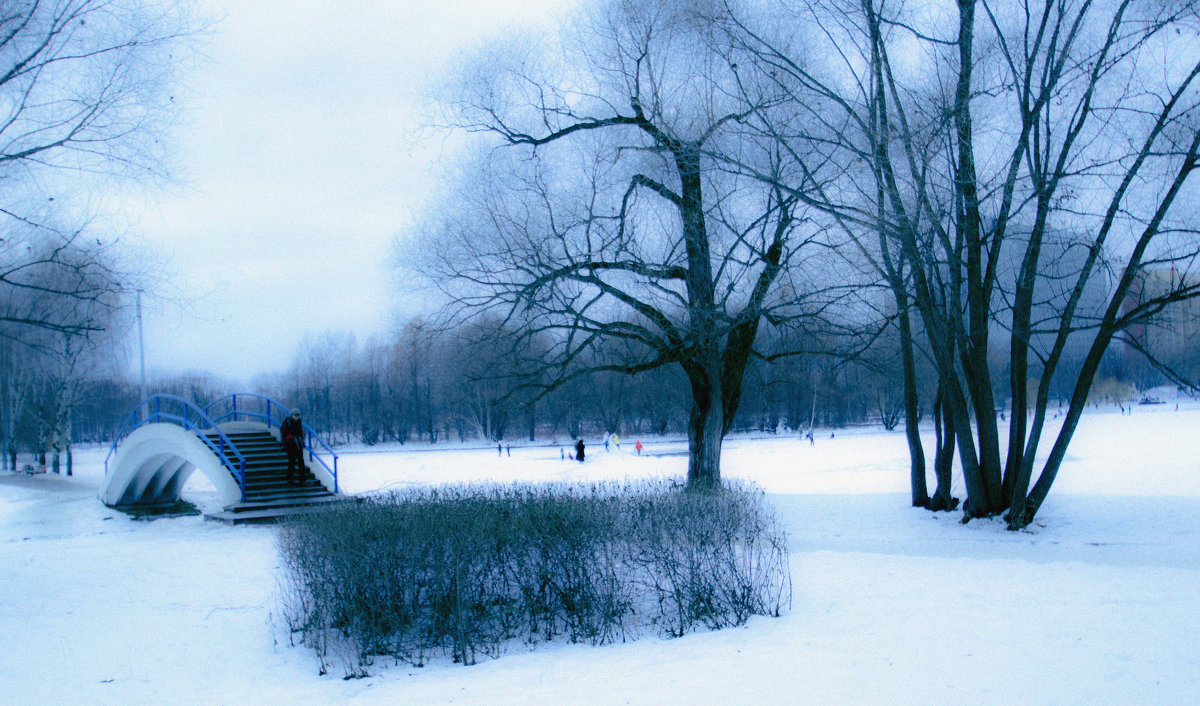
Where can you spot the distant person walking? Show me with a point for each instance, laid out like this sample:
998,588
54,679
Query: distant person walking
579,450
291,433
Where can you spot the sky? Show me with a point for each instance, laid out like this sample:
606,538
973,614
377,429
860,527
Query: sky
304,149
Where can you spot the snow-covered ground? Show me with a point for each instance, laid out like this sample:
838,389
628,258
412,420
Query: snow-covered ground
1098,603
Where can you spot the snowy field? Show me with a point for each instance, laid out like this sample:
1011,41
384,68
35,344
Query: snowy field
1099,602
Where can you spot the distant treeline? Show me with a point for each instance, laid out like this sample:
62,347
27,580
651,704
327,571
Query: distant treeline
430,385
460,385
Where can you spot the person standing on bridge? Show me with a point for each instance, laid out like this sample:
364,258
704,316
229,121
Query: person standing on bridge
291,432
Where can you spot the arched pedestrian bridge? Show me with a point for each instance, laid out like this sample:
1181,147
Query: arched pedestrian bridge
234,442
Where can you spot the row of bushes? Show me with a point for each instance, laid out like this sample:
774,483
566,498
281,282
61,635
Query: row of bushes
464,570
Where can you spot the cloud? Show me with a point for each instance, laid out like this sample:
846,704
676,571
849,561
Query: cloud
304,153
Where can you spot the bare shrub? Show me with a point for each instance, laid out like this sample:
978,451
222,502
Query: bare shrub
462,571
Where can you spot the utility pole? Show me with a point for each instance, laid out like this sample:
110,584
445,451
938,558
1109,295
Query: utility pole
141,349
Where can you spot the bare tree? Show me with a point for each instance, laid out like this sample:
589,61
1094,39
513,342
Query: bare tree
84,84
62,306
612,216
83,92
66,284
19,370
999,135
487,376
77,358
414,362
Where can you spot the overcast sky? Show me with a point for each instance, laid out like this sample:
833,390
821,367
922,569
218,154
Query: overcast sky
302,154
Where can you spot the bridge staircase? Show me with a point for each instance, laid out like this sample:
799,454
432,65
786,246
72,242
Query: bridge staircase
268,496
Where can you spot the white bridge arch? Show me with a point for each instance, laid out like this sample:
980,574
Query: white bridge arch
154,462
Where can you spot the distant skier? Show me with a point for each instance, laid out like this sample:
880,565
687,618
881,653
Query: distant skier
809,435
616,441
606,443
291,433
638,446
579,450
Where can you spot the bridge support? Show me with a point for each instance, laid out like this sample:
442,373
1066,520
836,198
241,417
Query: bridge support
154,462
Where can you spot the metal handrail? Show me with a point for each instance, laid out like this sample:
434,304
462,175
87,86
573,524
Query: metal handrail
264,412
154,413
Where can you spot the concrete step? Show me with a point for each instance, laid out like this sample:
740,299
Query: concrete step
273,479
267,515
265,473
295,500
293,494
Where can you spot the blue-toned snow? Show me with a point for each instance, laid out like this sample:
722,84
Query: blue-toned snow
1098,602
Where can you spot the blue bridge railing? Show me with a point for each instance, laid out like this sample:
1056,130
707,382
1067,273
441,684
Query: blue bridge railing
264,410
176,410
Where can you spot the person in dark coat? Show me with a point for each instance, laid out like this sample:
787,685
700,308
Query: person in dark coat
579,450
291,432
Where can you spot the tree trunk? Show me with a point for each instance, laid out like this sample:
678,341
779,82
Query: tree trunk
1022,312
705,425
704,445
984,472
943,463
959,425
1025,508
979,383
704,366
916,453
430,422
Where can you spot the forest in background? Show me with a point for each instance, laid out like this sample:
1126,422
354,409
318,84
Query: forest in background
433,386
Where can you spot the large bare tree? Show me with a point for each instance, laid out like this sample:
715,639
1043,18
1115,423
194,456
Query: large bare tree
1024,166
609,213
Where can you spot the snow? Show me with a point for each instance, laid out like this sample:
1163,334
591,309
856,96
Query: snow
1096,603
